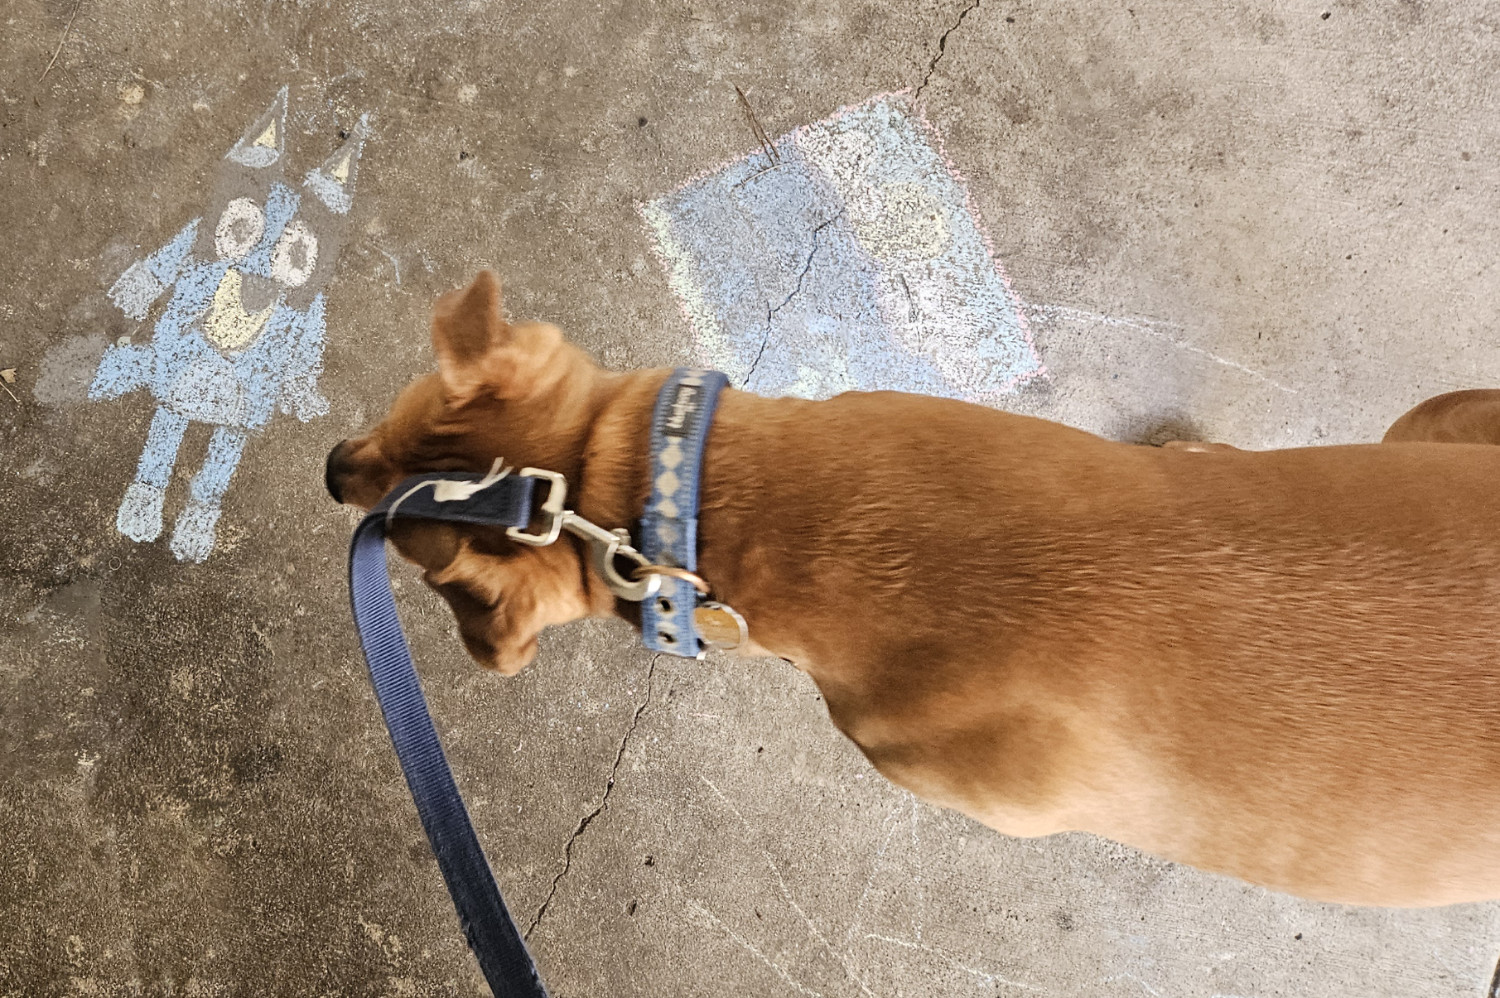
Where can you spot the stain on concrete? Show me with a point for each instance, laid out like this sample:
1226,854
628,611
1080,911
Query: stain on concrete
68,370
845,255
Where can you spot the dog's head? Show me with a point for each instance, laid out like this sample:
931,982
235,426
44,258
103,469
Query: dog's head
512,390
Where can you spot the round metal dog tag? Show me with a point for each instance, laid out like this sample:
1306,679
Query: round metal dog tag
720,626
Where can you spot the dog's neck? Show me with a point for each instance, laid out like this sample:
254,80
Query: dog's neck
613,476
738,550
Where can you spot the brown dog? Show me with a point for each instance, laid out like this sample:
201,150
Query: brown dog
1280,665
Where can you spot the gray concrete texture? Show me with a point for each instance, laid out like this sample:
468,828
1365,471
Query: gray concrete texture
1267,224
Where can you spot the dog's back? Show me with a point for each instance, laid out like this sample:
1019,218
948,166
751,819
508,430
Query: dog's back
1277,664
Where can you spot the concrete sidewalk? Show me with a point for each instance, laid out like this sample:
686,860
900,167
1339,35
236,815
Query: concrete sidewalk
1270,225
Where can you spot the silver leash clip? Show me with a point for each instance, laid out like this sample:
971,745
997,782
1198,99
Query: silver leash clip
606,547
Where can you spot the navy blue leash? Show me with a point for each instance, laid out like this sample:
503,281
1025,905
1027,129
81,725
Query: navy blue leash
679,618
486,922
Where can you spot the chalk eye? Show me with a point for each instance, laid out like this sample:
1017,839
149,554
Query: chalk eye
239,229
295,255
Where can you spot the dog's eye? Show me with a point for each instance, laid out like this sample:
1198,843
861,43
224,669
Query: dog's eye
239,229
295,255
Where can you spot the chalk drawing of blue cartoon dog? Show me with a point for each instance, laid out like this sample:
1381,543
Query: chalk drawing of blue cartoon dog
242,331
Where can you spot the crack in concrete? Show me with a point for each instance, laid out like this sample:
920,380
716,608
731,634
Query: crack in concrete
942,49
1494,989
588,819
771,311
839,957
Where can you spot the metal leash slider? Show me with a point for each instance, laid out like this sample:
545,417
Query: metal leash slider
605,546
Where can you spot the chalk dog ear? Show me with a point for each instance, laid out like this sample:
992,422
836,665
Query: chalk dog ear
264,142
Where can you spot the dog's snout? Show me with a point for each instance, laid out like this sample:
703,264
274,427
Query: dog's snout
335,471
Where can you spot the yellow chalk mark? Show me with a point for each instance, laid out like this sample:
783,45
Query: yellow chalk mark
268,137
900,222
228,326
341,171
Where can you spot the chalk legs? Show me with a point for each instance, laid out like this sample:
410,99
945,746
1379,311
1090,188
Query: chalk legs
193,537
139,517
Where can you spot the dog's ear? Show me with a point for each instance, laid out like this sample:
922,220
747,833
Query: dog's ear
478,351
466,327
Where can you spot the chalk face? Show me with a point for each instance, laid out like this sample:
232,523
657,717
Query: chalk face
845,256
242,330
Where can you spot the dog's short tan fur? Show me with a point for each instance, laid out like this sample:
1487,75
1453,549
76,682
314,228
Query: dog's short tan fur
1279,665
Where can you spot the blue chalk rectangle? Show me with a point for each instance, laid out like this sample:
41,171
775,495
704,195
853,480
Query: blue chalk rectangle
844,257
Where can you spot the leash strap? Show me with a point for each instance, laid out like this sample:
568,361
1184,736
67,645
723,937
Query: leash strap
487,924
669,527
679,428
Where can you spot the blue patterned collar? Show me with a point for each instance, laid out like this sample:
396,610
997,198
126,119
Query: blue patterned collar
680,619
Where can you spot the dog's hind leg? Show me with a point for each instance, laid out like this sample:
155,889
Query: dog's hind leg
1467,417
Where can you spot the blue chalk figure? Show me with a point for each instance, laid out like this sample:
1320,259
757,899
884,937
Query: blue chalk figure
242,331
